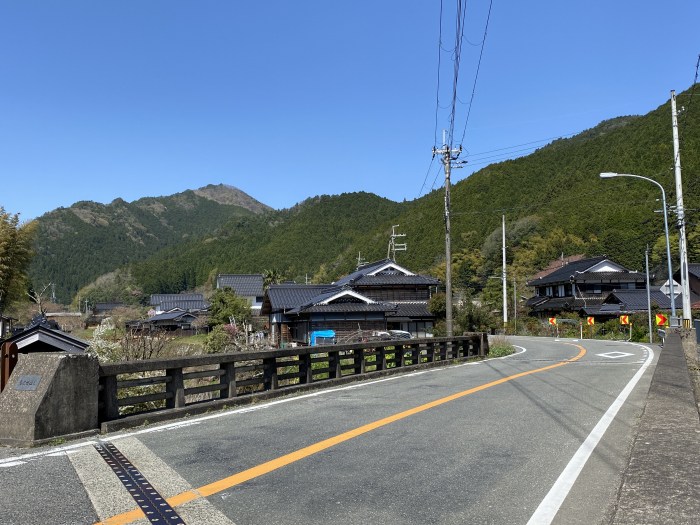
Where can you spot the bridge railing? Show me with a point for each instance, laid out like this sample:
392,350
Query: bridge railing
158,385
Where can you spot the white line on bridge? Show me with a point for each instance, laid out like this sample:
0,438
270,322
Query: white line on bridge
549,506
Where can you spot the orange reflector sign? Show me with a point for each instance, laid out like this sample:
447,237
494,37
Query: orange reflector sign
661,319
590,321
552,320
624,319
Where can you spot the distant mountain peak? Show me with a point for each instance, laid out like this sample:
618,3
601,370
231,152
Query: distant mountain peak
226,194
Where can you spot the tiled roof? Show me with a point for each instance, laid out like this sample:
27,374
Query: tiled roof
344,307
362,270
412,310
244,285
694,269
171,316
281,297
610,277
371,268
575,268
636,300
186,304
566,303
159,298
397,279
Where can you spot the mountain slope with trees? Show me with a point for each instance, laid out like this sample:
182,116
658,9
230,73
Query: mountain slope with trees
76,245
553,199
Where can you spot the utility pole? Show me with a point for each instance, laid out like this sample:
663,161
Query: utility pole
448,155
505,281
680,211
646,258
515,309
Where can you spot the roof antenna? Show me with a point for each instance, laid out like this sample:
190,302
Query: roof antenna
360,261
393,246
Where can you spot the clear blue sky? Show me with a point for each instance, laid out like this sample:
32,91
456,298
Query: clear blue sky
287,100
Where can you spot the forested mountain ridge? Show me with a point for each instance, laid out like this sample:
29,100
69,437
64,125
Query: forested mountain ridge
75,245
553,200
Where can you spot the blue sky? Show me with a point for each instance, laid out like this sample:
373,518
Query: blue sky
287,100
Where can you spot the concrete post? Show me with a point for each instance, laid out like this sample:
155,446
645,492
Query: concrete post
49,395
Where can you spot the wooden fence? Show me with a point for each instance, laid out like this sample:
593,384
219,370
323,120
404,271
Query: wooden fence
162,385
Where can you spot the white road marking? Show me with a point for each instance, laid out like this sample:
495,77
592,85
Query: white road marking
549,506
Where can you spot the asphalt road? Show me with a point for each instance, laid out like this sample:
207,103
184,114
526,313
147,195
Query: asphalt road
539,437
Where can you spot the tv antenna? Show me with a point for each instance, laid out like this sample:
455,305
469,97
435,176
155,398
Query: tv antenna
393,245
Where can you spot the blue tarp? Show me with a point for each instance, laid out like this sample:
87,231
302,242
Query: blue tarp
322,337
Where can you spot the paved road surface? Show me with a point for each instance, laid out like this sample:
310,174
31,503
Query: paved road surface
539,437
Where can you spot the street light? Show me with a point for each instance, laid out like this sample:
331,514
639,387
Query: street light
668,245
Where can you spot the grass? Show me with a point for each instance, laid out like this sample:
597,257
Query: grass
500,347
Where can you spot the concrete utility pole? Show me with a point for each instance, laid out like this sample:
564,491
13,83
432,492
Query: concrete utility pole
448,155
505,282
680,213
646,258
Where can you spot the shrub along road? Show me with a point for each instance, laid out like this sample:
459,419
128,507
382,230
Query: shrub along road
541,436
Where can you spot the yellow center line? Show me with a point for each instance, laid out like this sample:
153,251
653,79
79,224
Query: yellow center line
292,457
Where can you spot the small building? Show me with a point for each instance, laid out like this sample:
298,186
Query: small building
248,286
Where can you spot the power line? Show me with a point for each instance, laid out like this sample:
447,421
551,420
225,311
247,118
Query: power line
478,67
686,109
437,93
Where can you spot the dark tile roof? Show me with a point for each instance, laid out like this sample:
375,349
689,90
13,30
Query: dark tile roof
579,270
362,270
636,300
344,307
171,316
244,285
159,298
390,276
42,334
566,303
280,297
610,277
394,280
186,304
694,269
413,311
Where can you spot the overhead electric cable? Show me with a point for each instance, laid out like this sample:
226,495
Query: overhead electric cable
437,92
476,76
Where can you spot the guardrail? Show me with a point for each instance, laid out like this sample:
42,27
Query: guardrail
161,385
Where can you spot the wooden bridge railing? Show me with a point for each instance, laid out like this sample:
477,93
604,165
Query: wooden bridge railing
137,387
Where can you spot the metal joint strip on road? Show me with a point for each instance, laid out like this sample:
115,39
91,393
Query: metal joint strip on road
153,505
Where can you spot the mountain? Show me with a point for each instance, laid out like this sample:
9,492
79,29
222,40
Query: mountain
553,199
75,245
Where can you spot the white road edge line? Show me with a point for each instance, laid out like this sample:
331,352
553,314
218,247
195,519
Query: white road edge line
548,508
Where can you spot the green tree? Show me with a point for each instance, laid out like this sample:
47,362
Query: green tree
15,255
438,305
226,306
272,276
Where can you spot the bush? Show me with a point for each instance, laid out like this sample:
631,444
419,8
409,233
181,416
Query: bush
218,340
500,347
